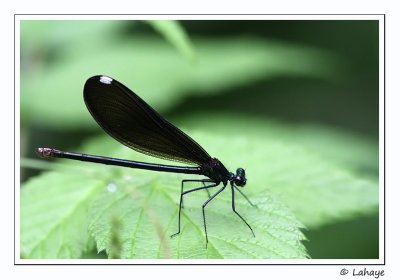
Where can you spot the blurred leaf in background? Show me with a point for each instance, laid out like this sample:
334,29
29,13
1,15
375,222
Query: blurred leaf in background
293,102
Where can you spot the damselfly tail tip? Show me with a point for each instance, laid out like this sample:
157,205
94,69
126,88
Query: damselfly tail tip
44,152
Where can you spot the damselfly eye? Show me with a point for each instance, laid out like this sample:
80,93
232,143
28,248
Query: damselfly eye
240,181
240,177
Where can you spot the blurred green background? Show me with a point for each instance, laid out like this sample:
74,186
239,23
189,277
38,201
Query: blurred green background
311,82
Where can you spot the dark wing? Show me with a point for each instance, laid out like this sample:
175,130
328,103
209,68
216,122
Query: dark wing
131,121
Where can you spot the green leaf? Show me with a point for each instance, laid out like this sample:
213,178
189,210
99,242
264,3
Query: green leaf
176,35
146,211
54,215
318,171
159,75
320,189
136,210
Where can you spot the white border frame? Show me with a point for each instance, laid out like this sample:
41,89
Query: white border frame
380,18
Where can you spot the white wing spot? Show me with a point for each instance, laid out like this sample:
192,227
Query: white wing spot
106,80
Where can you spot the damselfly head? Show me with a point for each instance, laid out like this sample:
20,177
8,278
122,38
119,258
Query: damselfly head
240,177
